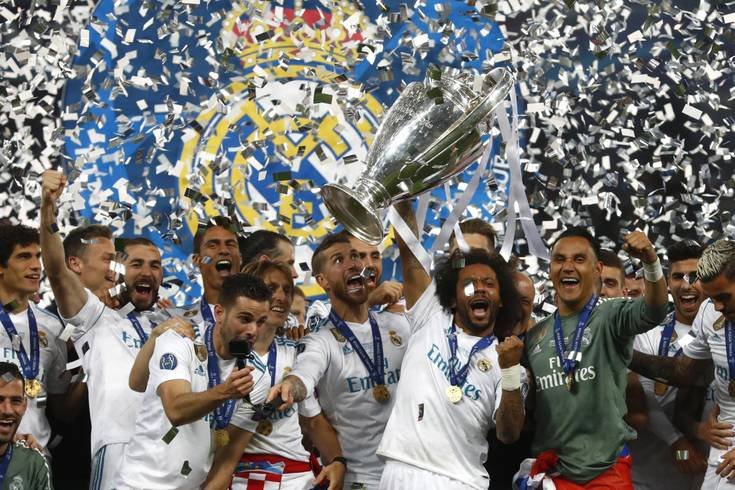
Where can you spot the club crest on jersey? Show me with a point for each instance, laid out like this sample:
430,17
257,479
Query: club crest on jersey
484,365
719,323
338,335
395,339
168,362
201,351
42,339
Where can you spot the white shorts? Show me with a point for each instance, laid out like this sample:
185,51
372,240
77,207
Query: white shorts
713,481
402,476
290,481
105,464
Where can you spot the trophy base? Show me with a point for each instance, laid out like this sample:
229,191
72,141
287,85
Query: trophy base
351,210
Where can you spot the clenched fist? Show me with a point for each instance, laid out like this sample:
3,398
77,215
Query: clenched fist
52,184
510,352
639,246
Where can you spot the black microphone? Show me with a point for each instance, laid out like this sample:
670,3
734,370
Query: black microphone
241,349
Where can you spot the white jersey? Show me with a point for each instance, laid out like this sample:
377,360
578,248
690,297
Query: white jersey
428,431
51,366
709,343
283,437
653,465
158,455
328,363
107,343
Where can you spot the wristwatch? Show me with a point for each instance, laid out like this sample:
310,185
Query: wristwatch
340,459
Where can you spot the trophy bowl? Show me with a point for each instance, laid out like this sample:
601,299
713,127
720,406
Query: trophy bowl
431,133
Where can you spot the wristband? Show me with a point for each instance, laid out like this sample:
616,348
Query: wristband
682,454
510,378
653,272
340,459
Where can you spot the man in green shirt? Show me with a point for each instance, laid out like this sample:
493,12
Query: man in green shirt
21,468
579,358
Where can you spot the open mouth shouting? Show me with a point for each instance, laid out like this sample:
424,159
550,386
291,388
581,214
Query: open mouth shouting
223,267
355,284
370,276
144,291
480,309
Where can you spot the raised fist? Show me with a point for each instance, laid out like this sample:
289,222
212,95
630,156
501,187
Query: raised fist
52,184
510,352
639,246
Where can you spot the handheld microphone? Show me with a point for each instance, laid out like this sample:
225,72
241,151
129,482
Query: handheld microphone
240,348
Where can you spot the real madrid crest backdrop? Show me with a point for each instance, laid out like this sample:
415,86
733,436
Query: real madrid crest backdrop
186,110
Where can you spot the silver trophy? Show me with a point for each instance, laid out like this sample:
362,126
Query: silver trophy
432,132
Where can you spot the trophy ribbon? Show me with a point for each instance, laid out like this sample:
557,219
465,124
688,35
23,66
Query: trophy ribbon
517,191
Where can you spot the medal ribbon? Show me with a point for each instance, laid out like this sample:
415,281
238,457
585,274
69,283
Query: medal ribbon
206,312
28,366
730,348
223,413
665,342
570,363
272,356
376,369
5,463
139,328
458,378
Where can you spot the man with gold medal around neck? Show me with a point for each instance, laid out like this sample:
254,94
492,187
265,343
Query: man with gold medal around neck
579,358
353,359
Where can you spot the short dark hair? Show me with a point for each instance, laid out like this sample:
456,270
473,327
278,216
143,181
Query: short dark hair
215,222
76,242
259,268
683,250
317,259
10,372
12,235
477,226
611,259
239,285
581,232
261,242
446,276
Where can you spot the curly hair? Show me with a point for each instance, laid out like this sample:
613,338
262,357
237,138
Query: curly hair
447,274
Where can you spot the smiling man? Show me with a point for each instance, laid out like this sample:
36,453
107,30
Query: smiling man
353,360
23,467
578,358
714,343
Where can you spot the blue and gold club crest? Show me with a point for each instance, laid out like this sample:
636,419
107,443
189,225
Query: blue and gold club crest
180,111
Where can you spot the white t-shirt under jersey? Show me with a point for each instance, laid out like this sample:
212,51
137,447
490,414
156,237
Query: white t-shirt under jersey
709,343
426,430
184,461
328,363
285,438
108,344
51,366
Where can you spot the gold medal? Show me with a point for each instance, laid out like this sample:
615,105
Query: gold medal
660,388
454,393
221,437
381,393
395,339
42,339
484,365
265,427
33,388
338,335
731,388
